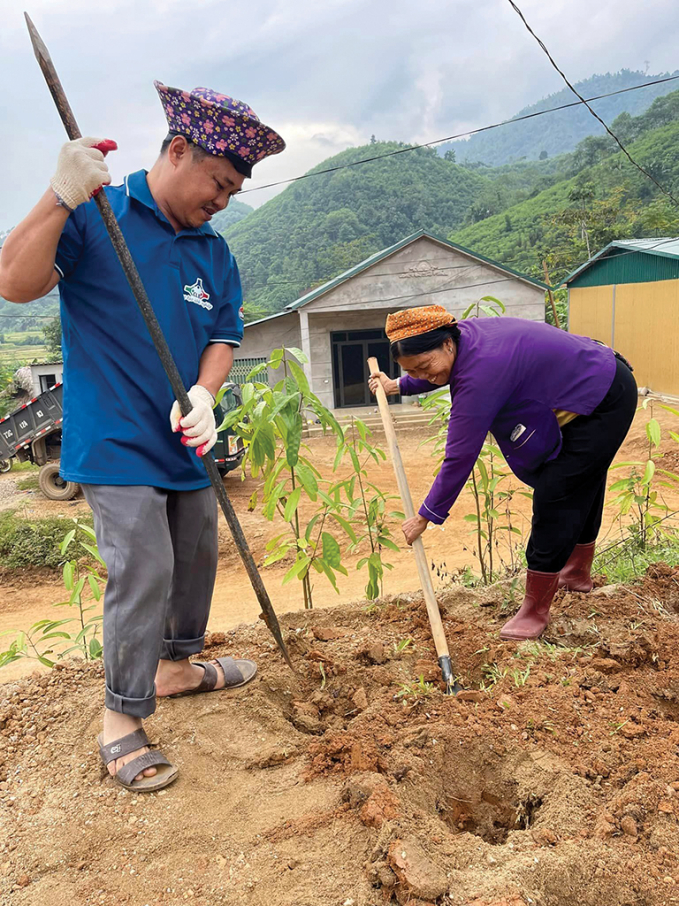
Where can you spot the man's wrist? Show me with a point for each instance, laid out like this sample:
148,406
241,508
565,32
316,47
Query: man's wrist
61,203
208,391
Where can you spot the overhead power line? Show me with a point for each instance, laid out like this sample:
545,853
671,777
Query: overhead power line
362,303
450,138
591,109
371,276
432,292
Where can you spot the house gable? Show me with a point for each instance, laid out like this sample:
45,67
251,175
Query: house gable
422,270
369,266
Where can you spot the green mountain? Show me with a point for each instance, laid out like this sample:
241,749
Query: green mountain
32,317
559,132
586,199
318,227
235,212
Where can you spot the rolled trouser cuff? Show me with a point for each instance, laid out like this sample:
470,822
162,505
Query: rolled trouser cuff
135,707
179,649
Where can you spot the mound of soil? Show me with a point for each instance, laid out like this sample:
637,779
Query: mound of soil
553,779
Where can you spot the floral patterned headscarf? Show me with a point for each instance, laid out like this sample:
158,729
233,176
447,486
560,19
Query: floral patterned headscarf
220,125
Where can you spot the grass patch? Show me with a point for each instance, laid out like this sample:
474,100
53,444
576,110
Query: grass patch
629,561
24,466
28,484
28,543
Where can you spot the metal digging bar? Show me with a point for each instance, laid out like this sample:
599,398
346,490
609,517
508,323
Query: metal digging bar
159,341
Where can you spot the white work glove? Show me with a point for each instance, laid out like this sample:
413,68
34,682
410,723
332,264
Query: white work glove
81,170
199,427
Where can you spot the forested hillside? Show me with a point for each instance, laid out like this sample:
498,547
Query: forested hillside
28,317
235,212
318,227
559,132
596,196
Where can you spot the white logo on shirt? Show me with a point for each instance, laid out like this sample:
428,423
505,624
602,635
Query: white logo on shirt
197,294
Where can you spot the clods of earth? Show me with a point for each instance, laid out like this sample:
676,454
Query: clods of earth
553,779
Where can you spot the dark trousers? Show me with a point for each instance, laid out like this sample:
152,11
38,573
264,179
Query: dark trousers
568,498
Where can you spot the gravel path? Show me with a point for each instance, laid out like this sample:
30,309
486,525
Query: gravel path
9,493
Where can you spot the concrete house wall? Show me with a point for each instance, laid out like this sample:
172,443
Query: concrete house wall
261,337
55,368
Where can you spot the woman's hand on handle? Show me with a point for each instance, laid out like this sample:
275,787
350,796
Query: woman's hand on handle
413,528
379,377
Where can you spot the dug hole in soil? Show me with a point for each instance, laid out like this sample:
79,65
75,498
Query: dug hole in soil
356,784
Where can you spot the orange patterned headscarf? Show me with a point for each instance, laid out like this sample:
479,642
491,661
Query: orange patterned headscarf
413,321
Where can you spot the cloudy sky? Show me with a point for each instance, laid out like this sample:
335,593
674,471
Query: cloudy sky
325,73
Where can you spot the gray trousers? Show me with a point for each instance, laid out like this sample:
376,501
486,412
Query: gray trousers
160,550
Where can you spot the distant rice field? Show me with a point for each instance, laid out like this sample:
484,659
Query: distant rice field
20,355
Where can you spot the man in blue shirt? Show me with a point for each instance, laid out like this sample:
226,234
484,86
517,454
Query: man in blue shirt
155,512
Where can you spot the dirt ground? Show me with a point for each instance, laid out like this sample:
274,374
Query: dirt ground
552,780
26,598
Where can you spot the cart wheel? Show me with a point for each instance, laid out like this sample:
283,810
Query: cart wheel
53,486
5,465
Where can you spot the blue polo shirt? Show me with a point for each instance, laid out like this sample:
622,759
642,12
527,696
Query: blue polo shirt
117,398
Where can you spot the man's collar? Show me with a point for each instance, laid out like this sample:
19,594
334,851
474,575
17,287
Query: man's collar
137,187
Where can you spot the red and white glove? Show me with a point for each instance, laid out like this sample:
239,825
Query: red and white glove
81,170
199,426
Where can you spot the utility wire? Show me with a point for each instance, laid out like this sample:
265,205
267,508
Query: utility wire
437,267
591,109
299,283
362,303
622,254
450,138
410,296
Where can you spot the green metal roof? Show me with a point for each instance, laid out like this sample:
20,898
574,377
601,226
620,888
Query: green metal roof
380,256
629,261
278,314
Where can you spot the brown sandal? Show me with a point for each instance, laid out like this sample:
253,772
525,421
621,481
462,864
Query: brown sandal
237,672
125,776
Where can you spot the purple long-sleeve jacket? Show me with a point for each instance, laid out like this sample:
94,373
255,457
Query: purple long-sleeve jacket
508,378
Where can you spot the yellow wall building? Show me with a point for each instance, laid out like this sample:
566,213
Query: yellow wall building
628,297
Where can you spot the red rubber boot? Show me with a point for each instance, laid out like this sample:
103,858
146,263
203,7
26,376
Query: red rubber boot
532,619
577,573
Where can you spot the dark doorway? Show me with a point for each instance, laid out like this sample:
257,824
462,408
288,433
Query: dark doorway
47,381
350,352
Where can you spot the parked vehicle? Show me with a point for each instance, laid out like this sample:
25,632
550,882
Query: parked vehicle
32,433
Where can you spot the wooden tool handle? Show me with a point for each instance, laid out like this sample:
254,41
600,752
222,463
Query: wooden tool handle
404,490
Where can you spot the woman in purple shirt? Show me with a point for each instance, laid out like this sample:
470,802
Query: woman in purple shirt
559,407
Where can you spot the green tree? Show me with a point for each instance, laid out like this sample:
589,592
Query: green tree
52,334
